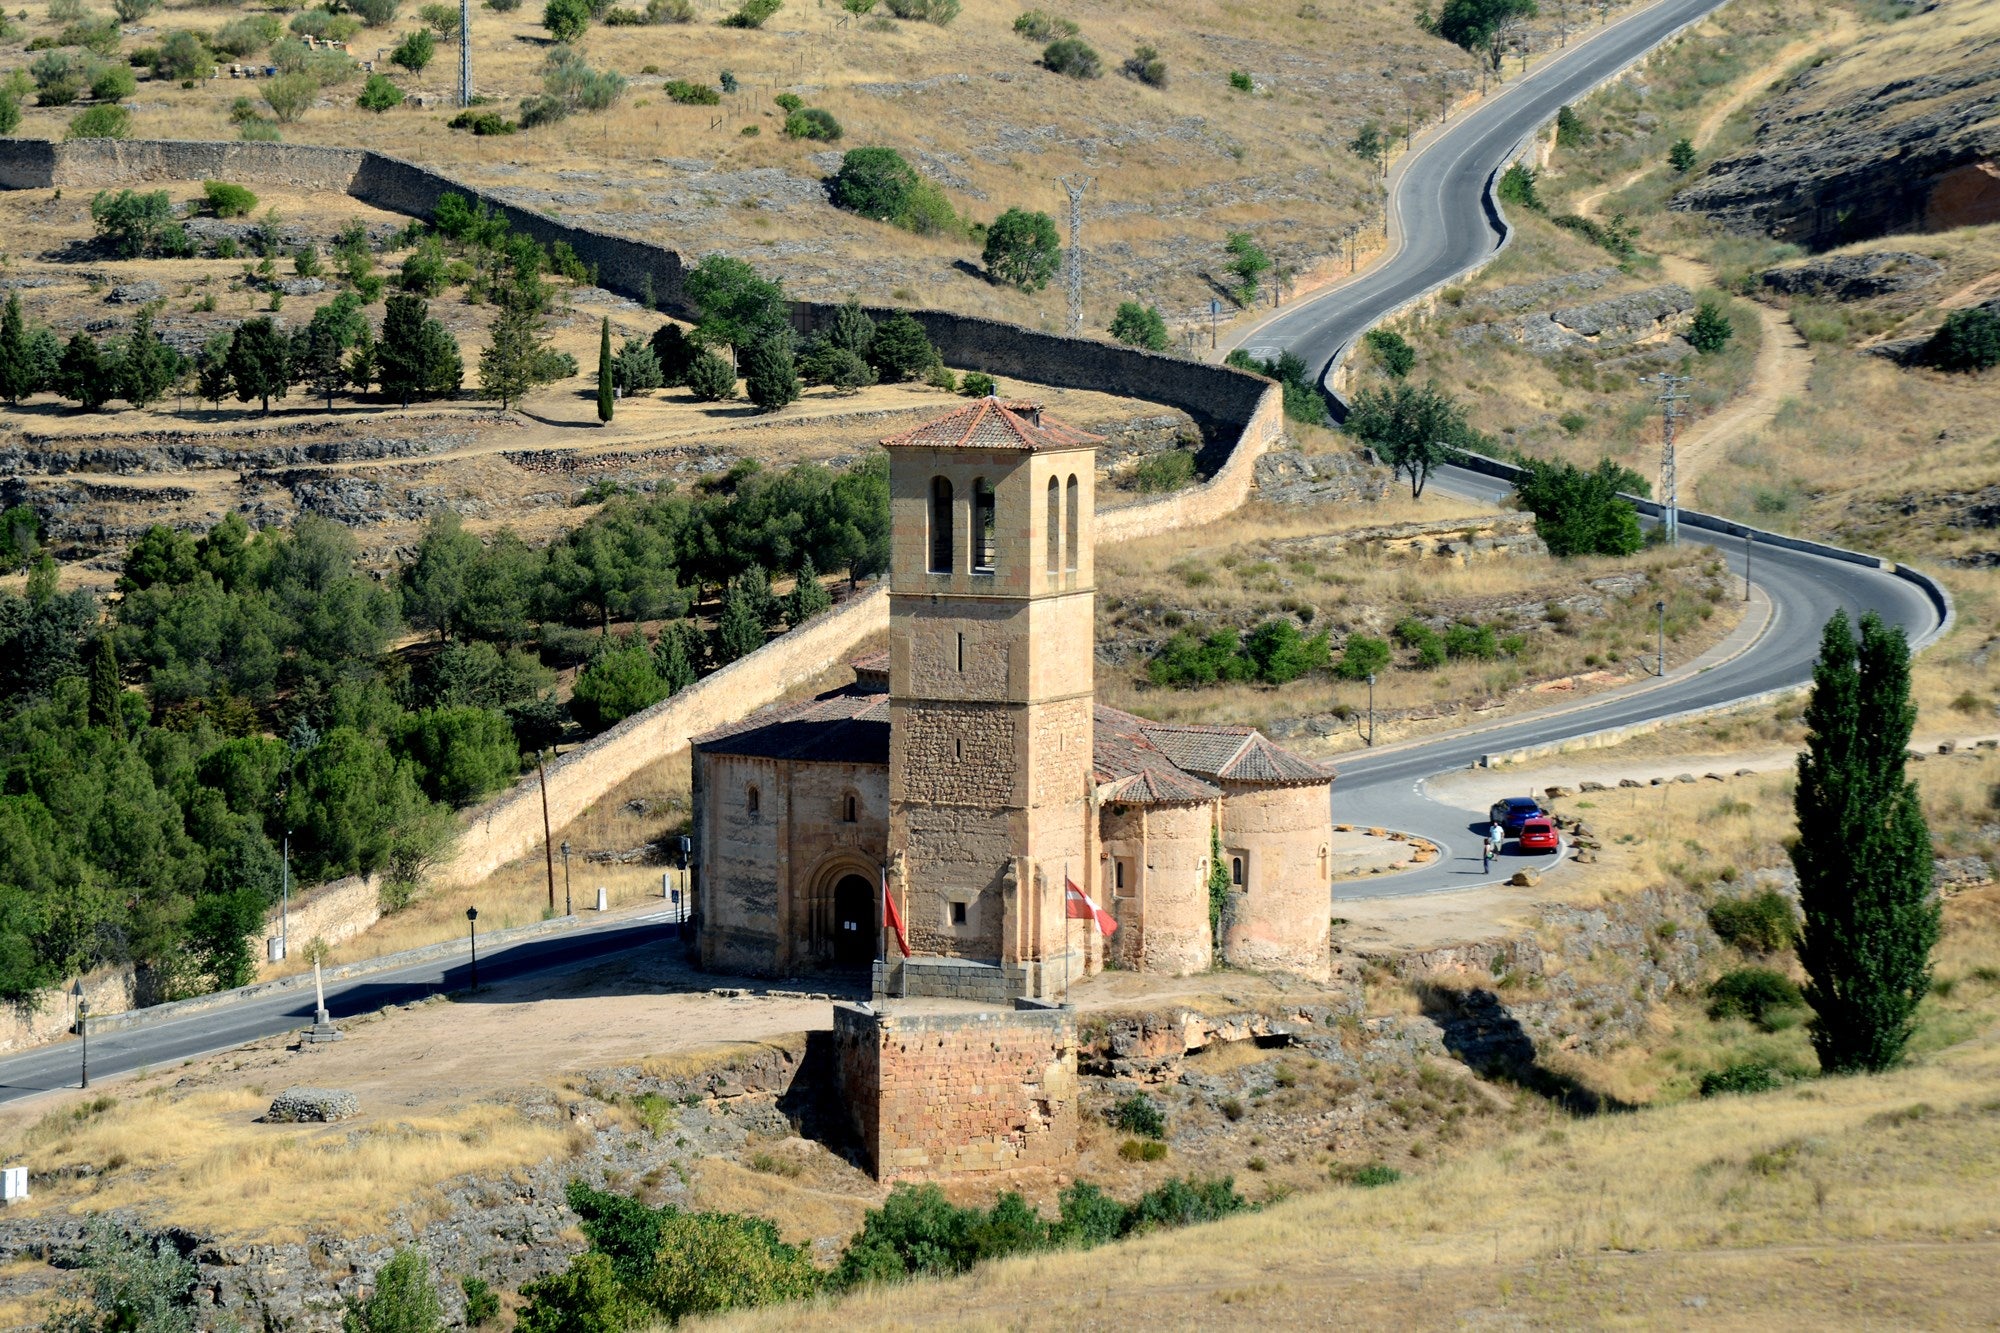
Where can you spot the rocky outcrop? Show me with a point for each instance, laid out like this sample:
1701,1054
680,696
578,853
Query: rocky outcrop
1614,322
311,1106
1915,351
1909,153
1292,477
1855,277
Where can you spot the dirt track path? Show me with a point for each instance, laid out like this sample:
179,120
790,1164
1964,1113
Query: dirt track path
1782,372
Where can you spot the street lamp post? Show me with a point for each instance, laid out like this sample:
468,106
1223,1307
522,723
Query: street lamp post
567,909
83,1031
1749,540
1371,708
285,901
472,928
1661,668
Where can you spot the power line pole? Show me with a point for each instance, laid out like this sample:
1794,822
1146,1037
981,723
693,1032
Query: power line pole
465,52
1073,261
1673,392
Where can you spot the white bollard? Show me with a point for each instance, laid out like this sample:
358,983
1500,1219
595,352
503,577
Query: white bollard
603,899
274,948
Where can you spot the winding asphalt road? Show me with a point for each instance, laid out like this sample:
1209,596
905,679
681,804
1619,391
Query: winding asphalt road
1442,207
1441,203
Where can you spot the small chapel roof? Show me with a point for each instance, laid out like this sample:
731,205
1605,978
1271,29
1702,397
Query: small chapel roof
993,423
844,728
1130,768
1234,754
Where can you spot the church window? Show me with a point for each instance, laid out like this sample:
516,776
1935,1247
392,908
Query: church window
1055,526
983,525
958,914
1236,871
850,808
1071,523
961,650
751,800
940,526
1324,869
1118,874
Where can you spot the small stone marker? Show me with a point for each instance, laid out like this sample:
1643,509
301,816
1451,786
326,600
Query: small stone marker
302,1105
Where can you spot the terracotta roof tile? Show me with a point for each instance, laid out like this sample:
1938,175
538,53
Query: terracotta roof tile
1130,768
989,423
1234,754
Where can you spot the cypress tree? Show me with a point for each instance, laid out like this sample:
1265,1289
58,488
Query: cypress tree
673,659
809,596
604,396
1863,852
105,689
740,631
770,374
17,371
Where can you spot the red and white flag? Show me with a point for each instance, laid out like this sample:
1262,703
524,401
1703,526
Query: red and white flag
1082,908
894,918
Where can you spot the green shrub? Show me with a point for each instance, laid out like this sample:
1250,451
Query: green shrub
1241,81
402,1299
711,1262
113,83
691,94
902,350
812,123
290,95
1022,249
1072,56
1146,65
1473,641
753,13
1968,341
1753,993
1760,923
482,1306
416,51
184,58
1570,129
615,685
100,122
1040,26
710,378
1140,326
566,20
940,12
1361,657
586,1297
1137,1113
377,13
974,384
1517,186
790,102
1168,471
1428,643
1747,1076
1372,1176
1392,351
1579,512
1142,1150
1681,156
1710,330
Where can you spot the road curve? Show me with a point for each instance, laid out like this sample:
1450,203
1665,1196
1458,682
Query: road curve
1438,197
1447,221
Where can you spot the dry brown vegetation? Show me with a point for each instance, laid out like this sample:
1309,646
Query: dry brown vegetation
1175,168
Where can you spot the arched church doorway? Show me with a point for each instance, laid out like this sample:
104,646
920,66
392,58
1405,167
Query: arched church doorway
853,922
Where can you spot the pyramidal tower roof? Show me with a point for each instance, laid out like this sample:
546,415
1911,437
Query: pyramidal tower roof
993,423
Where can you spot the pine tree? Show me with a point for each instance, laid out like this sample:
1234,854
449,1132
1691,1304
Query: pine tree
809,596
80,374
771,375
105,690
1681,156
507,366
1711,330
17,371
605,399
150,367
260,361
399,353
740,631
212,369
1863,852
673,657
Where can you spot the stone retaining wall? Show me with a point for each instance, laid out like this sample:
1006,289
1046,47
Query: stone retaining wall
938,1095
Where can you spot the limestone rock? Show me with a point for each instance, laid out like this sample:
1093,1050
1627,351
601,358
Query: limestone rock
134,293
1629,782
1855,277
1293,477
1524,879
1588,785
299,1105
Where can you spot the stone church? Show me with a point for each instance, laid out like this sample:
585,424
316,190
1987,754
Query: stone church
972,767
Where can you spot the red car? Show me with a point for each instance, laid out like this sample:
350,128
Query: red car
1539,835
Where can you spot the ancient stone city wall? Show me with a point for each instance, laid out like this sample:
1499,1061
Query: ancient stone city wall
939,1095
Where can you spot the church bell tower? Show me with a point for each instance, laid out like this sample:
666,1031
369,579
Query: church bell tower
991,637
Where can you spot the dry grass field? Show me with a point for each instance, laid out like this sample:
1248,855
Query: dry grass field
1174,168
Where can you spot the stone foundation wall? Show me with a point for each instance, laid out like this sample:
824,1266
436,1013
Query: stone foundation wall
941,1095
332,912
51,1015
1162,912
1282,921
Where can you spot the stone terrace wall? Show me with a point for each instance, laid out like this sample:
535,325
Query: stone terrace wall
332,912
511,825
937,1095
111,990
99,163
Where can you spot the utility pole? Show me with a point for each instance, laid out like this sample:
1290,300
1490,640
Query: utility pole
1073,261
1673,392
548,847
465,52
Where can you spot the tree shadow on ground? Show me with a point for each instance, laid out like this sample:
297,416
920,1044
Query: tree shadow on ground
1479,1029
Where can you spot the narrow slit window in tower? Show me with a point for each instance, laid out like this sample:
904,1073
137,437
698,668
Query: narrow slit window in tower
1070,524
940,526
982,526
961,650
850,809
750,802
1236,871
1055,526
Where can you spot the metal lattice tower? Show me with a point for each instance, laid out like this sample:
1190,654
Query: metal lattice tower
1073,261
465,52
1673,392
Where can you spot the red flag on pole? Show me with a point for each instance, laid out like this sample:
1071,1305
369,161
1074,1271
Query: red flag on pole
889,912
1080,907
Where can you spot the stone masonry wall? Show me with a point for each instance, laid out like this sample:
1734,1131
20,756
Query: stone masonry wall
1162,912
941,1095
1281,922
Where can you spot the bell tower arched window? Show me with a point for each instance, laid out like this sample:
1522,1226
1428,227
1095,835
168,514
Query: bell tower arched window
983,526
1070,523
1055,526
940,526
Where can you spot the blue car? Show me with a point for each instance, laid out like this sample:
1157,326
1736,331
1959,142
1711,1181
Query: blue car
1514,811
